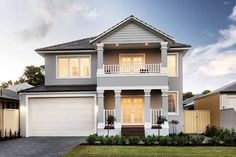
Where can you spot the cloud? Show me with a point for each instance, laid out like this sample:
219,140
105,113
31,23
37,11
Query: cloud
46,13
213,65
233,14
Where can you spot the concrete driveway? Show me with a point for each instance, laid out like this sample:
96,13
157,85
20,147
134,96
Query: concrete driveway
39,146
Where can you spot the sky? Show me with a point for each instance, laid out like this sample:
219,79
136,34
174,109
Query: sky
208,25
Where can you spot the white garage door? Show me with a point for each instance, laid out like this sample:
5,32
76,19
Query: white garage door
61,116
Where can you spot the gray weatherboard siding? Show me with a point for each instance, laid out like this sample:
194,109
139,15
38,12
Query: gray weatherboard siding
228,118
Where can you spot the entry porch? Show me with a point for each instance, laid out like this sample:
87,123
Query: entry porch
134,110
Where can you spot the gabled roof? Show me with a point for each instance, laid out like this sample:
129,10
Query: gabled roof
81,44
229,88
137,21
8,94
86,44
190,101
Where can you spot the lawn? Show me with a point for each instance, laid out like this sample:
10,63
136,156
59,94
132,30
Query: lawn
158,151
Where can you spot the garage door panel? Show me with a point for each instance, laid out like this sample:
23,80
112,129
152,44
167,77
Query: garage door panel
61,116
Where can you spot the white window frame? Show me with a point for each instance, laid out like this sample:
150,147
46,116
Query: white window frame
132,54
177,103
177,64
68,57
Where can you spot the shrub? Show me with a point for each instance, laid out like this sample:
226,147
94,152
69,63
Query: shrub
164,140
92,138
182,140
210,131
214,141
151,140
101,139
196,140
122,140
108,140
133,140
116,139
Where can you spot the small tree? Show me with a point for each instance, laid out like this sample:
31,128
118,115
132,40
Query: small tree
160,120
110,121
174,123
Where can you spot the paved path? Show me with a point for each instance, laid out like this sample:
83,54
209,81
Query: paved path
38,146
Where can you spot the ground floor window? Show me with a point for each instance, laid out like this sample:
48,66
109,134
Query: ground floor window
172,102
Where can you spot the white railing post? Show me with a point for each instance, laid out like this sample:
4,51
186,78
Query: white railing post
107,113
132,68
155,113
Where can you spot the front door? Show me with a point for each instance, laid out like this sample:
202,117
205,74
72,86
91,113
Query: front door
132,111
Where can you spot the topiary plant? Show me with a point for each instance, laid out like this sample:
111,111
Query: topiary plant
160,120
110,121
174,123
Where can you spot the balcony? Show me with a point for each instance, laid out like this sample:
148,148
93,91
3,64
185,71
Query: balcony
134,69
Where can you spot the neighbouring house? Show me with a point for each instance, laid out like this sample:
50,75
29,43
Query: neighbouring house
188,104
9,110
132,71
222,106
20,86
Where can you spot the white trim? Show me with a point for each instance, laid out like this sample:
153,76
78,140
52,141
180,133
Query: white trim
27,97
131,87
177,105
131,55
185,48
137,20
66,51
69,57
131,75
177,64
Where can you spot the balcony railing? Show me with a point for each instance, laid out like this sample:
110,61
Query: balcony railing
131,68
155,113
106,114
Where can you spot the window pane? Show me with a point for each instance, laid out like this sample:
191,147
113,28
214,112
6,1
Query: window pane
172,64
84,67
172,102
74,67
63,67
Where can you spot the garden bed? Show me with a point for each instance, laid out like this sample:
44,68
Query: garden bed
212,137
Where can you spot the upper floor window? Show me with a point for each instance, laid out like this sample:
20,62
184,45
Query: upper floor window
73,67
172,102
172,64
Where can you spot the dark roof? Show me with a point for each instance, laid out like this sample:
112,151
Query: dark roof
180,45
60,88
82,44
8,94
231,88
190,101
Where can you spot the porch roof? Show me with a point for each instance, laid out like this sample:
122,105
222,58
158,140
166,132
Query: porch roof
61,88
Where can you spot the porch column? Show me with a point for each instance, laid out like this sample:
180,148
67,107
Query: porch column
118,108
147,107
100,57
165,103
100,97
164,57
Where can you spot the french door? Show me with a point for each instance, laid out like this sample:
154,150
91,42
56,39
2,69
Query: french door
131,63
132,111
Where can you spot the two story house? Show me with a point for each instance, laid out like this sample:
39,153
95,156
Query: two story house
132,71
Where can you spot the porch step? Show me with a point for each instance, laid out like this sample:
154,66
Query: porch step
132,130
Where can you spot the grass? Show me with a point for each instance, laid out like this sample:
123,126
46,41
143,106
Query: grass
142,151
